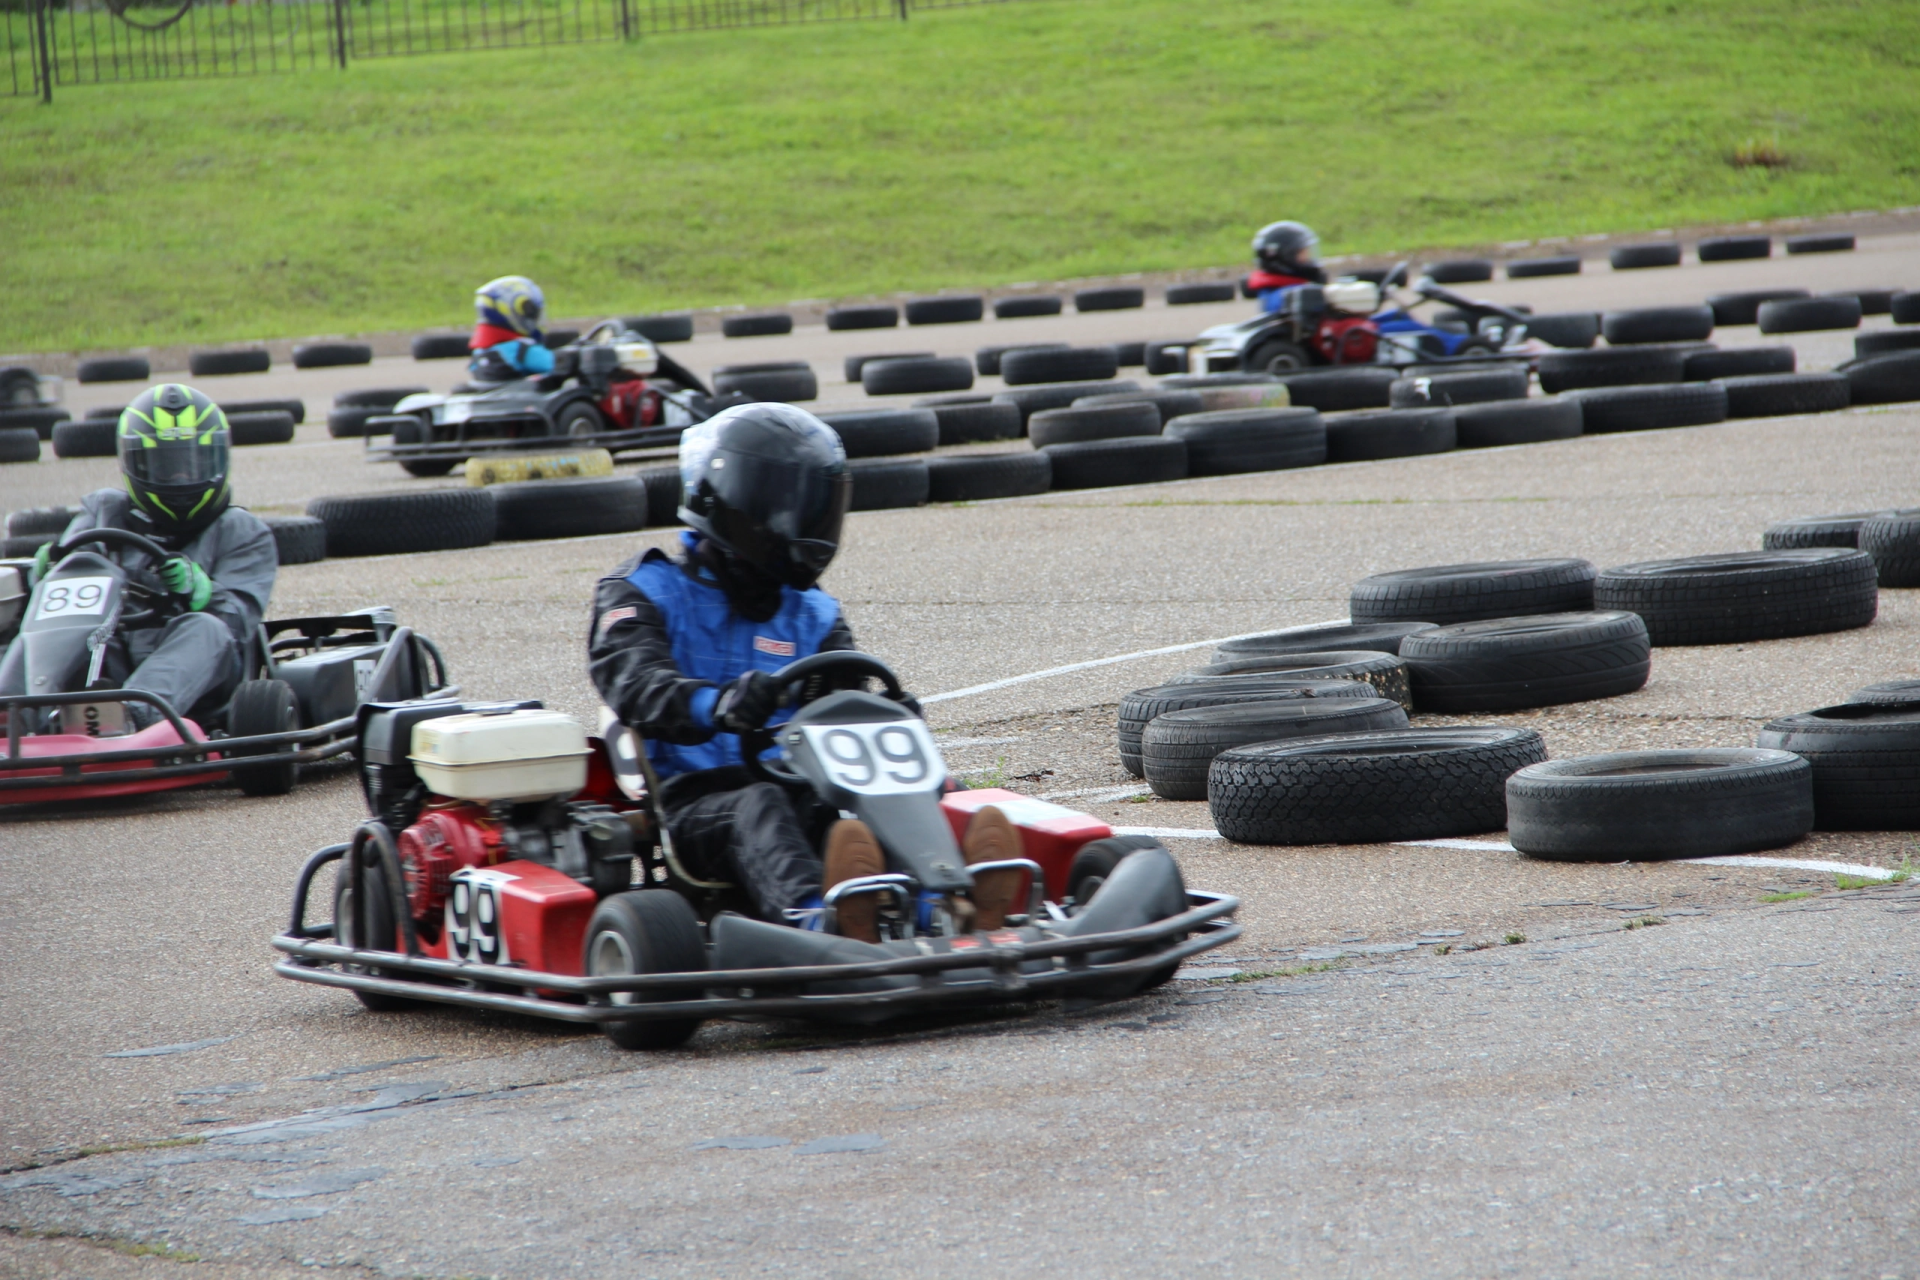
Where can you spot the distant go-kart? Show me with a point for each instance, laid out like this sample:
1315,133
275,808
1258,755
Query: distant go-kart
613,389
498,871
1353,321
306,679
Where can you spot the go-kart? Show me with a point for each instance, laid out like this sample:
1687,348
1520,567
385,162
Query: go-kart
1353,321
498,871
70,736
613,389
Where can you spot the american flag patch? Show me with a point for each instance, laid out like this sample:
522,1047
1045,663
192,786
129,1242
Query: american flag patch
778,648
612,616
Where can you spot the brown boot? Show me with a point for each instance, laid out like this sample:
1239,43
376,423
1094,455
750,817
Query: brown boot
992,837
852,852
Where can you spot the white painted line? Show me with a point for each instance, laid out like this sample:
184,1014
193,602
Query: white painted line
975,742
1862,870
1096,794
1169,833
1499,845
1072,667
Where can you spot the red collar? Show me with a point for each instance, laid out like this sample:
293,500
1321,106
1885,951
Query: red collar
1261,280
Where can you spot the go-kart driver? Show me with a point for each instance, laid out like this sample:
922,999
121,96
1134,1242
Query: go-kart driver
1283,252
681,648
174,452
506,333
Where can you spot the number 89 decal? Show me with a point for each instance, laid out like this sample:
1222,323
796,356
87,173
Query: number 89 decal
877,759
473,916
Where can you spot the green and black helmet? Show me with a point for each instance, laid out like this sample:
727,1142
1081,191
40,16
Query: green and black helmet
174,451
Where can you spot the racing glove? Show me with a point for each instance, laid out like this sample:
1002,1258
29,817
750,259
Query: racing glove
42,563
747,703
185,578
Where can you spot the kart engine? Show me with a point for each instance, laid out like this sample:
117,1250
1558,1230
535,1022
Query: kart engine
588,842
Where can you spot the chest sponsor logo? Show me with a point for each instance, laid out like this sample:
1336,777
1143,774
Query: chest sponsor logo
778,648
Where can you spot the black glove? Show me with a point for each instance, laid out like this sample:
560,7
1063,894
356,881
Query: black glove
747,703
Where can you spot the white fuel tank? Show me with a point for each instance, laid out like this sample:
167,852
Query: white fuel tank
505,755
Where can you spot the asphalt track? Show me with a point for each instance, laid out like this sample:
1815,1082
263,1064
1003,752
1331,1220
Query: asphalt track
1724,1093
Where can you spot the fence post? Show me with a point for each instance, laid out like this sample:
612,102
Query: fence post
340,33
903,10
626,20
43,50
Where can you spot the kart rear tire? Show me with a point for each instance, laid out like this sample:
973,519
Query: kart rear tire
1275,357
264,706
899,375
381,927
1095,861
1058,364
578,420
206,364
1015,308
645,931
297,539
526,510
393,522
978,477
1740,362
1448,593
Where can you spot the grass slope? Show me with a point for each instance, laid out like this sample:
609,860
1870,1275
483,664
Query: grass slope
1022,141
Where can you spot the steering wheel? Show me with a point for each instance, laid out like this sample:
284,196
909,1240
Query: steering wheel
802,682
153,604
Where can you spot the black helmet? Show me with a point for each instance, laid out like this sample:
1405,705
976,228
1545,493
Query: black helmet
174,448
768,483
1284,247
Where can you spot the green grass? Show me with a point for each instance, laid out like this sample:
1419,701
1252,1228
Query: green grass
1013,142
1792,895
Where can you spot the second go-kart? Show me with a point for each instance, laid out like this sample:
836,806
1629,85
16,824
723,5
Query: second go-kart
513,863
71,737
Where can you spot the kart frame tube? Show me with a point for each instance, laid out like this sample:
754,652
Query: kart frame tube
462,448
1205,918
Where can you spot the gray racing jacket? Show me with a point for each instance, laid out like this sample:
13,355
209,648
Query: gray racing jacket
237,551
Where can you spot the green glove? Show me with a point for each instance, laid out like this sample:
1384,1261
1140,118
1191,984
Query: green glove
185,578
42,561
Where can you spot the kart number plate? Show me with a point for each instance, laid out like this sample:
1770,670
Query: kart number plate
95,719
73,598
877,759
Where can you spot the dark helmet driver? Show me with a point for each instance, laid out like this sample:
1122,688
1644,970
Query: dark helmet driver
174,454
768,485
1286,249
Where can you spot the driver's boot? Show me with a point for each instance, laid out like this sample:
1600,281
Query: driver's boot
992,837
852,852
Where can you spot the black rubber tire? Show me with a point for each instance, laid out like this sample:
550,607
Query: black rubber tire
1384,673
296,409
674,326
1460,271
1809,315
1367,788
1892,539
41,421
1733,248
400,521
1904,307
88,438
1015,308
881,484
1070,425
1888,693
1032,400
899,377
1228,442
1449,593
783,382
383,931
1335,390
977,477
954,310
1841,530
1505,422
1820,243
1323,637
854,366
840,319
1161,358
441,346
1171,404
1654,805
114,369
1731,309
1178,747
1098,464
1638,257
646,931
1533,268
1866,762
208,364
375,397
1139,708
1511,664
351,421
328,355
765,325
1737,596
1095,861
1467,386
987,359
271,427
1651,408
1116,298
261,707
1058,364
1374,434
968,423
297,539
1574,330
1869,346
663,495
1873,302
1187,295
1612,367
24,548
37,520
1657,324
19,444
1892,379
573,508
1739,362
1774,394
882,433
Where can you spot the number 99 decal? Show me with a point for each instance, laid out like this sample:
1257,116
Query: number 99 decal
877,759
473,916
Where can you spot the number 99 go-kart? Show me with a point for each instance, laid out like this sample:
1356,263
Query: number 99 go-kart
513,863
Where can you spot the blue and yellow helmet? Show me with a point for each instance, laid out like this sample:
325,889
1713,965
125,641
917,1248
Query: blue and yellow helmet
174,454
511,302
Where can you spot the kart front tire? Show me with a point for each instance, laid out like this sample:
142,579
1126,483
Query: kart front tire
579,419
1275,357
259,707
385,934
645,931
1095,861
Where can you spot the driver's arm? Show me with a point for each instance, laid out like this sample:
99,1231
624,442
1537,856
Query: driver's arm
242,560
630,659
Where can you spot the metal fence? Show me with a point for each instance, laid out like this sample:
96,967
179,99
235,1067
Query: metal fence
62,43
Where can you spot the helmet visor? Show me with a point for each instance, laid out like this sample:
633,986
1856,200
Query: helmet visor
168,463
797,513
